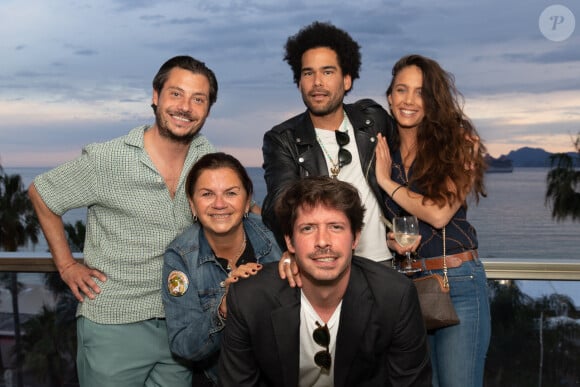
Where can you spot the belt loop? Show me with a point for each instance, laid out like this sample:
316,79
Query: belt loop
474,255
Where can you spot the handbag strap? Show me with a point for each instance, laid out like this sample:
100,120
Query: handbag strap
445,279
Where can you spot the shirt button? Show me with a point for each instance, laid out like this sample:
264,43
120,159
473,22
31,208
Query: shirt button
300,159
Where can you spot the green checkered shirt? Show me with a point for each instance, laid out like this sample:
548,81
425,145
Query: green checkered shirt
131,218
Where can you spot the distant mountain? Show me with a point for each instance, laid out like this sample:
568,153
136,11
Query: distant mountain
534,157
500,165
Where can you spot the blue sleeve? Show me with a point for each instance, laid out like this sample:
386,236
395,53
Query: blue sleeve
193,323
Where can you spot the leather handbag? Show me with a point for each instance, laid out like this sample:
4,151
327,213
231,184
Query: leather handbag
435,300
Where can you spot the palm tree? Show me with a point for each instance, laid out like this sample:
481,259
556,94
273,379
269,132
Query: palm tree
18,226
50,340
18,222
75,235
564,186
531,338
49,348
512,322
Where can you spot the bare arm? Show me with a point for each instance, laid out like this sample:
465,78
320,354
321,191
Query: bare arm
243,271
79,278
411,201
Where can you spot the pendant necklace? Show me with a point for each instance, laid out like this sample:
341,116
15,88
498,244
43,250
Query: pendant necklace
239,254
335,168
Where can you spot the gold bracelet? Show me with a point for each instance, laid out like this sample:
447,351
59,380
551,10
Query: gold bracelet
395,191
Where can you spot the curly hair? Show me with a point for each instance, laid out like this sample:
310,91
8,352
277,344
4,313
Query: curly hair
319,34
443,149
313,191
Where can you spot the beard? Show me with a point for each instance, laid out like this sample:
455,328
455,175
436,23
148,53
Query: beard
322,110
164,131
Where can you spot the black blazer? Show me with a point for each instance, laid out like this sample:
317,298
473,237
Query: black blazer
381,338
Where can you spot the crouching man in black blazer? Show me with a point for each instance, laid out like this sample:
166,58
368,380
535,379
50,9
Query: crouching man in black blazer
354,322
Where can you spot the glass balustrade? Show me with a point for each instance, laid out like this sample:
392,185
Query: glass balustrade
534,304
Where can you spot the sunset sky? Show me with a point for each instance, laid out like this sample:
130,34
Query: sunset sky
76,72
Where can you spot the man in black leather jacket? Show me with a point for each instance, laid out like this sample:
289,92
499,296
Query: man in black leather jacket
325,61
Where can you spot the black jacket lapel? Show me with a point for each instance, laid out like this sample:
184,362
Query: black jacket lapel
355,313
286,323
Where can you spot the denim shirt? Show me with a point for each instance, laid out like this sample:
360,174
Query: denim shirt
192,319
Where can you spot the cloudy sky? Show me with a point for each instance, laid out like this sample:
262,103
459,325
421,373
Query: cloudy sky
76,72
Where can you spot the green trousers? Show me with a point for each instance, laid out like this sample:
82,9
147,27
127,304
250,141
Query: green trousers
127,355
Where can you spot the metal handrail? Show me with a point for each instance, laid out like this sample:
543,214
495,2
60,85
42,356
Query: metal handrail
496,268
564,269
30,262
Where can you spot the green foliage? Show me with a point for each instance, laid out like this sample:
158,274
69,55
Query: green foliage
75,235
18,226
18,221
520,351
50,348
563,186
58,341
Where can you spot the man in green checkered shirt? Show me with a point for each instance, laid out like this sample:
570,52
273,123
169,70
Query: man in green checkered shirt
133,187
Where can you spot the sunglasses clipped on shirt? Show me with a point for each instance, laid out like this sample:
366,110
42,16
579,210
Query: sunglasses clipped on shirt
321,336
344,156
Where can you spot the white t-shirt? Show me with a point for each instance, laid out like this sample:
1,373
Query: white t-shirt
310,374
373,240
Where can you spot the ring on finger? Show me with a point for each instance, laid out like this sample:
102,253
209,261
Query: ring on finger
286,261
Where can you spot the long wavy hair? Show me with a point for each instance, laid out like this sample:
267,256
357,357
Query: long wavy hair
443,152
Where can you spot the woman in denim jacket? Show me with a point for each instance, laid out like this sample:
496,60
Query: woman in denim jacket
225,243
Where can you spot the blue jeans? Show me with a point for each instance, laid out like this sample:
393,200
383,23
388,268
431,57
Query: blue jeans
458,352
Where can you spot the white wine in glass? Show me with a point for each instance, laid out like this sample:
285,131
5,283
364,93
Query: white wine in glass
406,229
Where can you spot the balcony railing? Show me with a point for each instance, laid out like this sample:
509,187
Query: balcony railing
496,268
555,332
29,262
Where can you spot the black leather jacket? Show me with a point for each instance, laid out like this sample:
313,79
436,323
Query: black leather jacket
291,151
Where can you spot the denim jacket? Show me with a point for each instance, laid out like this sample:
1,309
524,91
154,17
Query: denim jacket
192,319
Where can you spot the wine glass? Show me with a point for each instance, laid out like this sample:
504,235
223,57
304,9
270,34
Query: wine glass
406,229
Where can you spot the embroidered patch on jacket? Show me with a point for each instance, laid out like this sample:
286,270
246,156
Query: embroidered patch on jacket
177,283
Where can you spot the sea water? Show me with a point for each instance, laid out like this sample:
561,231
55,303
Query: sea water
513,221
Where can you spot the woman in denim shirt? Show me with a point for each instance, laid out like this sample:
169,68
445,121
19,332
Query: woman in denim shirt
435,162
225,243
